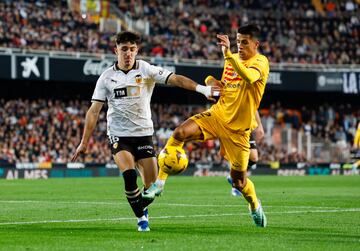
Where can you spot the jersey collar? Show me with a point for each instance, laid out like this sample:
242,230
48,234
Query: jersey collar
135,66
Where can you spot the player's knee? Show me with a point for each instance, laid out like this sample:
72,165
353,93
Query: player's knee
239,179
239,184
179,133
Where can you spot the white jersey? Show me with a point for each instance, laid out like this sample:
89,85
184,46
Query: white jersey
128,96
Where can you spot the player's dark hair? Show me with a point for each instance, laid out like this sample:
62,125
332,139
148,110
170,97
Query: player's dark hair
250,29
127,36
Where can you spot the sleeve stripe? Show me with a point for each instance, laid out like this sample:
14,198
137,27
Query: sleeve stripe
256,69
98,100
167,78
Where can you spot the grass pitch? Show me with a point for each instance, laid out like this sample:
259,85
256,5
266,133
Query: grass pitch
304,213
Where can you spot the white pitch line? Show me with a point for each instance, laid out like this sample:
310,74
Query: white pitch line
174,216
155,204
238,205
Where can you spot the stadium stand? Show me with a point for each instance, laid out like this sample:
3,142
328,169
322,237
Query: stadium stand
301,32
43,130
324,32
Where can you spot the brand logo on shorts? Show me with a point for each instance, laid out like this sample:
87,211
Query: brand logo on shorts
146,147
115,145
235,165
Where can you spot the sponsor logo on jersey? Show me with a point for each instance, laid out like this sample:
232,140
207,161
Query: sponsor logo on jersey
133,91
129,91
120,92
233,86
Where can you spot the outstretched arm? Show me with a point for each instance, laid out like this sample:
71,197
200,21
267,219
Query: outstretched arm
250,75
187,83
91,118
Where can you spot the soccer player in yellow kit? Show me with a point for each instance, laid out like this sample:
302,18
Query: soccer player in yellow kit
231,119
356,144
356,147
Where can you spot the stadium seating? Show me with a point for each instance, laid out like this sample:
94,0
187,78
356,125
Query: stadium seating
293,31
41,130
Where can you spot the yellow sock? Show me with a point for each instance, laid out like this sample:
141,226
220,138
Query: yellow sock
174,142
250,195
171,142
162,175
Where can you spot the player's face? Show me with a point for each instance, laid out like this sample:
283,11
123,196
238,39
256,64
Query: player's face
126,54
247,46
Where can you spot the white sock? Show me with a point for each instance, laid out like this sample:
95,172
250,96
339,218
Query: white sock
161,183
142,218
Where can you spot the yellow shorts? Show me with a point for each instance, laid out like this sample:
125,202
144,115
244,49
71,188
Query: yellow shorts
235,147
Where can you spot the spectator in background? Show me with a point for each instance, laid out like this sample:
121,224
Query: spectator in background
53,26
48,122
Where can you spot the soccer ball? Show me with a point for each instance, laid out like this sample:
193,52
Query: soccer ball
173,160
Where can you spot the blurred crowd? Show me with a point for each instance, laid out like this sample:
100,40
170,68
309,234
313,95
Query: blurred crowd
49,25
292,31
50,130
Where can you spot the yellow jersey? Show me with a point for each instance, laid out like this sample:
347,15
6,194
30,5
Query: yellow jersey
357,137
237,105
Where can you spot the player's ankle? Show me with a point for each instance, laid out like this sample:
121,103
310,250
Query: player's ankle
142,218
160,182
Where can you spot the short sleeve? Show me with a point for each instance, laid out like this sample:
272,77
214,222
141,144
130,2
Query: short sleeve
100,90
159,74
261,64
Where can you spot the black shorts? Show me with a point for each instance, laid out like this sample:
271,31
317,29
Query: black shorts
252,140
355,154
139,147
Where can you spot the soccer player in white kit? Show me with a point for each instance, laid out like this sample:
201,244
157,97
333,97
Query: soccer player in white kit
127,87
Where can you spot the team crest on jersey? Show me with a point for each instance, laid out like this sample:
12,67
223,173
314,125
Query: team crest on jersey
138,79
